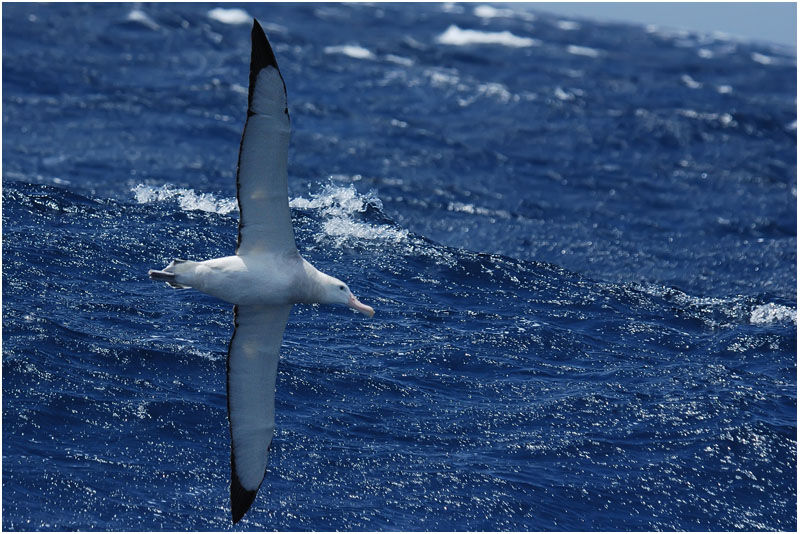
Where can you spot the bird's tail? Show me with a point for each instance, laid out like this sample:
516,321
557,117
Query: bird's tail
171,273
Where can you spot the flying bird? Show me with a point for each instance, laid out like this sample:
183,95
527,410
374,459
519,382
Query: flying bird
263,279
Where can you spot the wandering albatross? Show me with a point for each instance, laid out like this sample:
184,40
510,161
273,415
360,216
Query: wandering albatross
263,279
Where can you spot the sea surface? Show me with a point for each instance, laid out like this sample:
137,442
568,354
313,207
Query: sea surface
579,238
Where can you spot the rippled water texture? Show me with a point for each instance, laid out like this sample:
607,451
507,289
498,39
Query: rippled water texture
579,238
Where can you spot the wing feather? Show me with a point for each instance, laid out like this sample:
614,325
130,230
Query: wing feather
265,223
252,370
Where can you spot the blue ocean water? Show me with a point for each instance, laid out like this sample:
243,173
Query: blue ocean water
579,239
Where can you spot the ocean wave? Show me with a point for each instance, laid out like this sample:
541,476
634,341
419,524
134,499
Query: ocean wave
486,12
690,82
140,17
489,12
399,60
350,218
576,50
338,206
230,15
717,312
188,199
456,36
353,51
568,25
724,119
468,90
772,313
762,58
504,262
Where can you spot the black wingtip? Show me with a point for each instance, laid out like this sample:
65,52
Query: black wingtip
241,499
261,56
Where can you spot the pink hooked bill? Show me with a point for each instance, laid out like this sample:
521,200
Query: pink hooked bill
363,308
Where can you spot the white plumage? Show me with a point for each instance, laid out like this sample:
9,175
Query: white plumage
263,279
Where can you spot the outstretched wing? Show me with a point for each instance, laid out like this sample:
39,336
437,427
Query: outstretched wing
252,368
261,190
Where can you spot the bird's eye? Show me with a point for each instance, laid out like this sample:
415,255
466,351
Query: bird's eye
341,287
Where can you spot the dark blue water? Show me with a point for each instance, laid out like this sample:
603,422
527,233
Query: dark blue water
579,238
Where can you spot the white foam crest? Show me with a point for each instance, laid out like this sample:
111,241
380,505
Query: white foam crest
705,53
137,15
450,7
684,299
338,205
762,59
336,200
492,90
690,82
347,228
583,51
467,91
354,51
489,12
458,37
443,77
188,199
772,313
721,311
725,119
230,15
496,90
399,60
567,25
563,95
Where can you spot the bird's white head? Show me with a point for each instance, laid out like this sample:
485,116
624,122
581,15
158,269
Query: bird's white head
337,292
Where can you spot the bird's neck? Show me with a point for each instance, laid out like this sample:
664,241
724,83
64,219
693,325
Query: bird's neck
315,283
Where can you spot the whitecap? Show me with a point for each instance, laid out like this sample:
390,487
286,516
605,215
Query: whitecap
443,77
690,82
345,228
188,199
137,15
762,59
336,200
496,90
583,51
489,12
723,311
772,313
399,60
354,51
458,37
567,25
450,7
230,15
725,119
563,95
337,206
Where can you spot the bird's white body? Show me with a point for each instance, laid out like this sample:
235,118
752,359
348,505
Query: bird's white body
254,280
264,279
